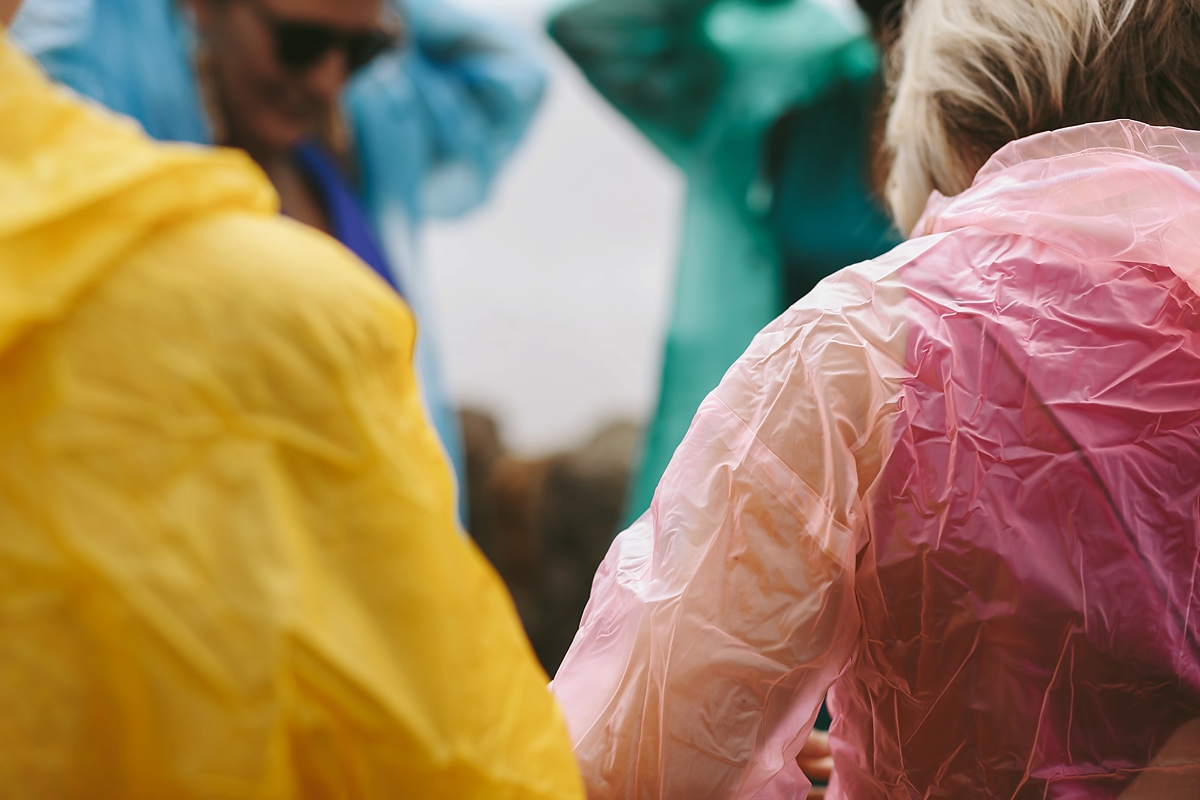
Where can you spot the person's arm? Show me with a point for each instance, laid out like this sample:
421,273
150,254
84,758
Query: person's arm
718,621
1174,774
649,58
132,57
435,121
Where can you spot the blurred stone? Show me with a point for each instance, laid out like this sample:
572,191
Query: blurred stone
546,523
481,442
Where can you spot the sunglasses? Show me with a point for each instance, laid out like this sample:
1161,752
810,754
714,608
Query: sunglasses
299,46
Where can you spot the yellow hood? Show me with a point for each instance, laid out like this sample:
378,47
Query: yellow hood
228,559
80,188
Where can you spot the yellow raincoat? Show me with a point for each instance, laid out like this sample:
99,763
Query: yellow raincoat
228,563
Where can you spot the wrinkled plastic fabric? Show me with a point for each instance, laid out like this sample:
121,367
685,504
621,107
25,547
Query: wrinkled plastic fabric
763,106
433,123
228,557
958,487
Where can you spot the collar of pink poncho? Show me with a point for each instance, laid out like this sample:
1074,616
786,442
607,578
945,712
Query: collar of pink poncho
1107,191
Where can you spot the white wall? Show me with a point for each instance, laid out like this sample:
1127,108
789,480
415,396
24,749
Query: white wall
552,300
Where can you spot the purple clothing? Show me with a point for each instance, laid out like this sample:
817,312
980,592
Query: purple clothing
348,220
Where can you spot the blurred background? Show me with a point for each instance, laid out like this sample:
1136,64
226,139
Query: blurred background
551,304
551,301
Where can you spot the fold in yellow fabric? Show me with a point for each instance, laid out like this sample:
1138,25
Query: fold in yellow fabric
229,566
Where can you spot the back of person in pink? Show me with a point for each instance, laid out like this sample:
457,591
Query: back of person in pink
957,487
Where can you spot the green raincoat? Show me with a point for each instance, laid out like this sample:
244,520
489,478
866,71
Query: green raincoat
763,105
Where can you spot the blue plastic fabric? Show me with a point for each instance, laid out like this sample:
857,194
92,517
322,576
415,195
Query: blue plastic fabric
132,56
432,123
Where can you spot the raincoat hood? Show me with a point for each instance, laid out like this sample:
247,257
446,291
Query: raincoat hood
97,179
1108,191
229,564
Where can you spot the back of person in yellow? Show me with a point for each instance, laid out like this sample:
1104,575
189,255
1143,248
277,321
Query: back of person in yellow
229,566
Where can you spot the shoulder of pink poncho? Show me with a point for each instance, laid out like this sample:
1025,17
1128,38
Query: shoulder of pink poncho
958,487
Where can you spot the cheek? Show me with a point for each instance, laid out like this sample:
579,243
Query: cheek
265,104
242,49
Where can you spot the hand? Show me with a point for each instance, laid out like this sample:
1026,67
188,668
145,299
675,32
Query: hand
816,762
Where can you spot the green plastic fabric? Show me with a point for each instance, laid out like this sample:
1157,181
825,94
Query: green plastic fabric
763,107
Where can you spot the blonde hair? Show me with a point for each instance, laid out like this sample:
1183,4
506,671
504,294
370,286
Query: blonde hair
968,76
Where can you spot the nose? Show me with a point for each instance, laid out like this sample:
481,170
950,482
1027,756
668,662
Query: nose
327,77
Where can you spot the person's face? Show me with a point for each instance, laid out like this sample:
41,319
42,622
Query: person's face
269,106
8,10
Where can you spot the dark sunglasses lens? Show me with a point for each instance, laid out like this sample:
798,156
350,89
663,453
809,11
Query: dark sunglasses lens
300,46
363,48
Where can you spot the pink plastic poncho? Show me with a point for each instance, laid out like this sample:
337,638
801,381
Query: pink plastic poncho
960,485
